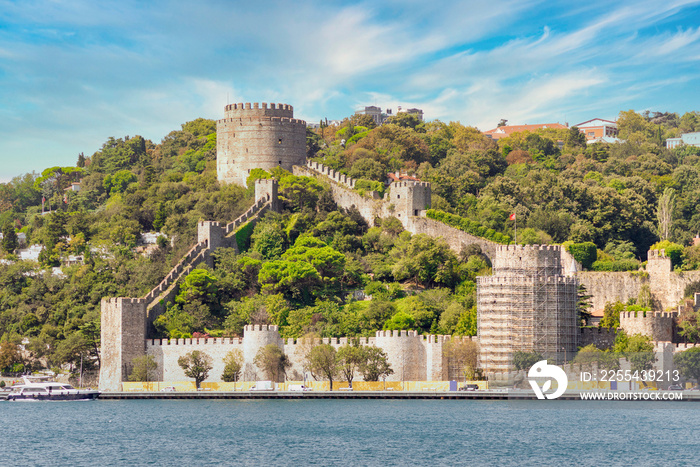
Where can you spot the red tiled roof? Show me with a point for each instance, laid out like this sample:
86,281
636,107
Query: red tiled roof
398,177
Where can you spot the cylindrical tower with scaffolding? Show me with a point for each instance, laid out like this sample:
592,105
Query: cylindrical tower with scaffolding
527,305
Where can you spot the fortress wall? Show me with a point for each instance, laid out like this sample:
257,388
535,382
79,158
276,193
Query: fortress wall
658,326
412,356
343,194
605,287
603,338
667,286
455,238
166,353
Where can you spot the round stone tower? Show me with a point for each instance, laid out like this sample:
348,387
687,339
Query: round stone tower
255,337
256,135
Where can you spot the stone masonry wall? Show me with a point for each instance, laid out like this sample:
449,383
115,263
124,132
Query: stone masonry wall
607,287
123,333
412,357
455,238
658,326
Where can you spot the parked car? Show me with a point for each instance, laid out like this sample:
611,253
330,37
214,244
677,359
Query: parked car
469,387
675,387
695,388
298,387
168,389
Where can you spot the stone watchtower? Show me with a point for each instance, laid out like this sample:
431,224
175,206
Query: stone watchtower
526,305
410,198
254,136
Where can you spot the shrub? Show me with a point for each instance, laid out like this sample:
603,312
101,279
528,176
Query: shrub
467,225
616,266
370,185
672,250
585,253
243,235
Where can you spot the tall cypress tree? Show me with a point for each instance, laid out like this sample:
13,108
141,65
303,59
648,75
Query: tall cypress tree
9,238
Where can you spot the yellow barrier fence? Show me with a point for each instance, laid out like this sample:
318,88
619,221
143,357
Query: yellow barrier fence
188,386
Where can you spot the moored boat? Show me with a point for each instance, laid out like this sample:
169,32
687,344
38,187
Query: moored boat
38,389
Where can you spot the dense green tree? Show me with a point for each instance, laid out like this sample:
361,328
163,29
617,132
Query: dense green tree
351,357
196,365
462,355
524,360
323,361
233,366
591,354
401,320
637,349
272,361
143,368
9,356
376,365
611,315
688,363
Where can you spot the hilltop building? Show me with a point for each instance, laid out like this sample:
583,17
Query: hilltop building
380,117
598,128
688,139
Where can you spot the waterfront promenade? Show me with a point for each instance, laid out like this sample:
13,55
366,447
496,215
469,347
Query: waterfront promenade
435,395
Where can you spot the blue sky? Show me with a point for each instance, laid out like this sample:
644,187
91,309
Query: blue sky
73,73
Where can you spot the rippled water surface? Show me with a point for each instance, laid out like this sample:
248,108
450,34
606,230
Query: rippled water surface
349,432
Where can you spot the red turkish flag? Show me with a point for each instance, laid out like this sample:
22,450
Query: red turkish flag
511,217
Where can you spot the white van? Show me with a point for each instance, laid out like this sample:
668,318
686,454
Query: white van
263,386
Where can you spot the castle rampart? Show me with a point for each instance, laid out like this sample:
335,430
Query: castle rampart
413,357
126,322
658,326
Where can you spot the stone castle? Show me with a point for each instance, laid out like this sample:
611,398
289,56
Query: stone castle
528,297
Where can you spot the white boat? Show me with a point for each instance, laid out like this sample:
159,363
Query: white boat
37,388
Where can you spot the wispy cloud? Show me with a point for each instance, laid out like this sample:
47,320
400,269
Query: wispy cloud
73,73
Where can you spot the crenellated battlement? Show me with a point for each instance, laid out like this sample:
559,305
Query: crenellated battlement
657,325
397,333
124,301
196,341
257,106
648,315
528,248
410,183
655,254
528,259
336,176
260,328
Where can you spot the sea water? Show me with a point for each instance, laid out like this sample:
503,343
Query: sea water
349,432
